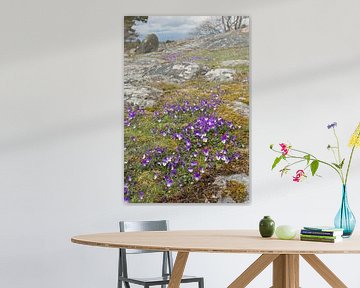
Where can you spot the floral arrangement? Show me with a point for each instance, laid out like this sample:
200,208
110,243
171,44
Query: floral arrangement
295,157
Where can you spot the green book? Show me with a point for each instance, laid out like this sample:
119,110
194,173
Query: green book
319,236
325,240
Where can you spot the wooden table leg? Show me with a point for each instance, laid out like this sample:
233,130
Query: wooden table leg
324,271
253,270
286,271
178,269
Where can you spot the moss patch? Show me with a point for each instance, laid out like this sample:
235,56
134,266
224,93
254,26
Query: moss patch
236,190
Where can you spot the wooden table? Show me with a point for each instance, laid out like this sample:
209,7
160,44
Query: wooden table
284,254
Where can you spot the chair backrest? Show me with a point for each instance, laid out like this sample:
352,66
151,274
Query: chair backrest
134,226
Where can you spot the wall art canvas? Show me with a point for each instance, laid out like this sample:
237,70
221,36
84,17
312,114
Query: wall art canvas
186,109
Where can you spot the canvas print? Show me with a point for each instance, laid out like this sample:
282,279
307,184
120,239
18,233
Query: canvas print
186,101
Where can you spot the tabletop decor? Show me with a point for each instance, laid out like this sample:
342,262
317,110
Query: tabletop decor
285,232
293,157
186,109
266,227
321,234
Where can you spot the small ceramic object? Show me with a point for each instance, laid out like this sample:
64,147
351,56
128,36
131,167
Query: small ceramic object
266,227
285,232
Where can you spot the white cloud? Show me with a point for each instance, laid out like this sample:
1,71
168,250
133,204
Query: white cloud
170,27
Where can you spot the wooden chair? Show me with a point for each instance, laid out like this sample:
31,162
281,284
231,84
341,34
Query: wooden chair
167,262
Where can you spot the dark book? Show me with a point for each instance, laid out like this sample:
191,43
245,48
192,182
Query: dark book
321,233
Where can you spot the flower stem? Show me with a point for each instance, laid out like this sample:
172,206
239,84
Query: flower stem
348,167
339,156
304,152
338,146
312,159
320,161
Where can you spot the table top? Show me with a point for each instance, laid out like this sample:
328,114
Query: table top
217,241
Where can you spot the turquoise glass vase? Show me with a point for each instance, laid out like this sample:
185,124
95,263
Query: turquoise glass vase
345,219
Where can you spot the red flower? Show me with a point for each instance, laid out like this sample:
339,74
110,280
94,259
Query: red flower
284,148
299,175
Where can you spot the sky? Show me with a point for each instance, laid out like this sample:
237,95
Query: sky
169,27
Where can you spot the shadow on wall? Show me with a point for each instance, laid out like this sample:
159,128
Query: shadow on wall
56,134
308,75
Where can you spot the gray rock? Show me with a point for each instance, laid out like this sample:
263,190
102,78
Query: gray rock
240,107
226,199
232,63
142,96
225,40
150,44
221,180
220,75
178,72
187,71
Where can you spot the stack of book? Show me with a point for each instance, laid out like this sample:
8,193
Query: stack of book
321,234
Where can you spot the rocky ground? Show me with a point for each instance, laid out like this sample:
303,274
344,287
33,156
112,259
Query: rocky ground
179,67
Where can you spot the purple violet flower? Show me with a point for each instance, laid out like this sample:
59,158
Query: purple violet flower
332,125
197,176
178,136
224,138
236,155
188,144
169,181
225,159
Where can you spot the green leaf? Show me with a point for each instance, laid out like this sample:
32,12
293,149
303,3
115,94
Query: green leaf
339,166
336,165
276,162
271,146
342,163
307,157
284,170
314,166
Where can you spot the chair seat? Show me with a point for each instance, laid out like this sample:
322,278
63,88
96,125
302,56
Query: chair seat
158,280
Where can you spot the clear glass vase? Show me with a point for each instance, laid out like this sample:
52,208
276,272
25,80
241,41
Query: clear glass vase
345,219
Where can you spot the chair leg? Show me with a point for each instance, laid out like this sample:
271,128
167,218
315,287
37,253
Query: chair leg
201,283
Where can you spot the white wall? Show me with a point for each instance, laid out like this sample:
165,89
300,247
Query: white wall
61,133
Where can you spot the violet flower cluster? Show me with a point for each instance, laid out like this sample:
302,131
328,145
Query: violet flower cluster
200,146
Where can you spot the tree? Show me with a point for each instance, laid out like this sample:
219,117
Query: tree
210,26
230,23
220,24
130,34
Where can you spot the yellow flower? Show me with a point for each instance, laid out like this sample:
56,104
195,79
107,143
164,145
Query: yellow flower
355,137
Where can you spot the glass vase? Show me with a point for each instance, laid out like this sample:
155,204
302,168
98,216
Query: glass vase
345,219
